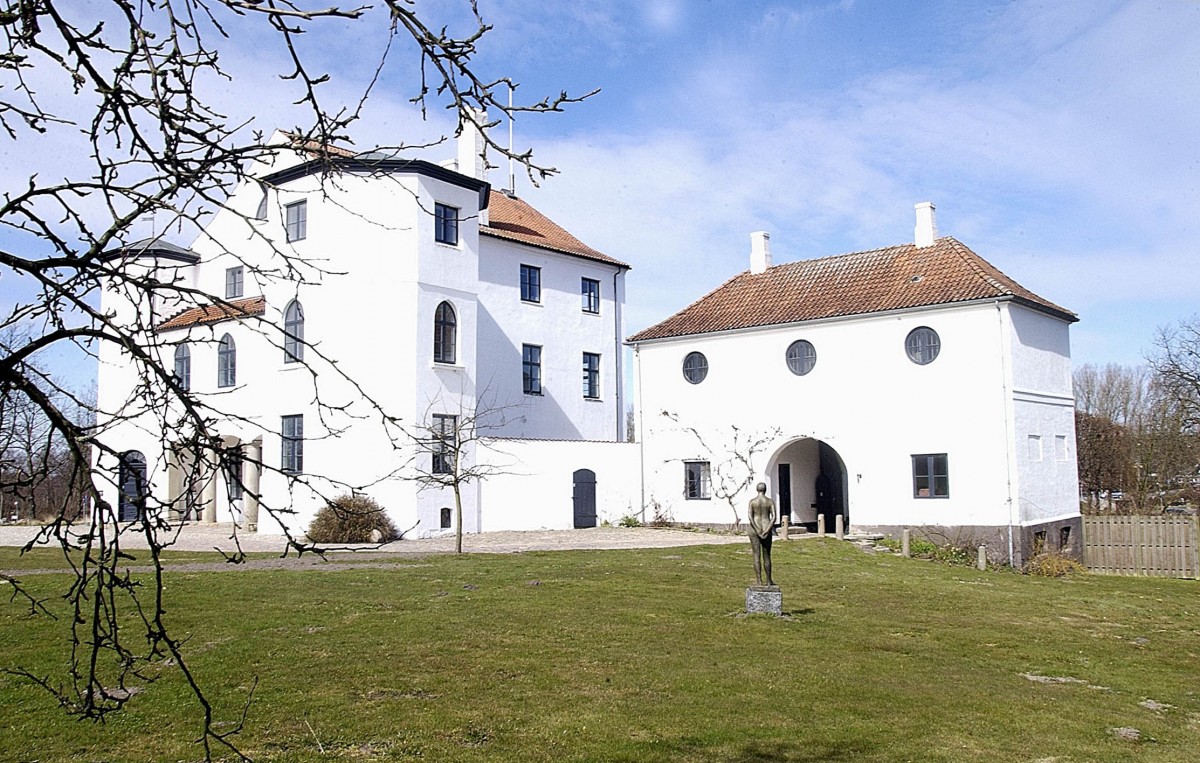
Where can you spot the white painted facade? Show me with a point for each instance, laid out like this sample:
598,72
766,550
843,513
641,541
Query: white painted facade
997,401
370,277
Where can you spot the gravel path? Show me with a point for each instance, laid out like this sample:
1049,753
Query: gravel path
214,537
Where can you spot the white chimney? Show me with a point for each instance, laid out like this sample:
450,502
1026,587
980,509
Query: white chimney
470,147
926,230
760,251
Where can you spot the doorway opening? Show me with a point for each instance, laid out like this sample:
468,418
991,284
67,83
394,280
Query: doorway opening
584,498
810,480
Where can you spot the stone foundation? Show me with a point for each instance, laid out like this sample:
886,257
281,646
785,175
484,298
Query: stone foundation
1026,541
764,599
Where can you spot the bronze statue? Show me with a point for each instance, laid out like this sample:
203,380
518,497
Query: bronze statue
762,522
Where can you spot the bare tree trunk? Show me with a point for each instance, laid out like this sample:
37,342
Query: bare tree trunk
457,519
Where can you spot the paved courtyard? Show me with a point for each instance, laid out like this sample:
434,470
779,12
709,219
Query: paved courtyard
213,537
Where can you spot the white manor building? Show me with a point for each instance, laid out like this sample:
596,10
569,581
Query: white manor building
360,294
911,386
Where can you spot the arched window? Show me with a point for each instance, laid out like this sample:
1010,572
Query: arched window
801,357
183,366
226,362
293,333
445,329
695,367
131,503
922,345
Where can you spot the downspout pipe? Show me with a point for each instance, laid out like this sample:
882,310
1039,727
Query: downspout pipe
618,356
1008,432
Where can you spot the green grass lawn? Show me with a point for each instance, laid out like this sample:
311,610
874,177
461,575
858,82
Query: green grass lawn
643,656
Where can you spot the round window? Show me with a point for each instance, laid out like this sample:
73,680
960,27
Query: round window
695,367
801,357
922,345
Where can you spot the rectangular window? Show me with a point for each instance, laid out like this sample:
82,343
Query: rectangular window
297,220
931,476
445,224
591,375
589,288
696,480
531,369
292,458
443,441
233,282
232,458
1060,447
531,283
1035,447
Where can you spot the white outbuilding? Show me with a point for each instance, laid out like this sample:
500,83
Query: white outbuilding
913,386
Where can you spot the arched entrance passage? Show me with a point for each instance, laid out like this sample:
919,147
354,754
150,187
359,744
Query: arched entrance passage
809,479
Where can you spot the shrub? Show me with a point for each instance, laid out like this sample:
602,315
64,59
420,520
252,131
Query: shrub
351,519
662,517
1052,564
630,520
923,548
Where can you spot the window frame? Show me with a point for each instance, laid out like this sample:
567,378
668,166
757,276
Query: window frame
922,345
531,369
589,291
695,367
260,212
291,437
235,286
183,366
443,442
531,284
801,357
697,481
132,468
926,475
226,362
232,466
591,376
293,332
445,223
445,333
295,216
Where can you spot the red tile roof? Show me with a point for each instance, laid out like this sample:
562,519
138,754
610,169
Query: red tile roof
205,314
511,218
892,278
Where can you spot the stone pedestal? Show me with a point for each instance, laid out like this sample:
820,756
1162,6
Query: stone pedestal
764,599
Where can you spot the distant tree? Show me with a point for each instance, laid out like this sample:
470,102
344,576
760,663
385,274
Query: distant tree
1104,453
1132,434
40,477
1176,362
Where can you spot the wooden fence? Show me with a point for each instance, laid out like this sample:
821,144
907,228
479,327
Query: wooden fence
1134,545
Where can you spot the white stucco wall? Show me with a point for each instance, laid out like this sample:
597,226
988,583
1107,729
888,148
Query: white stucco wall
559,325
1044,417
370,276
864,398
535,489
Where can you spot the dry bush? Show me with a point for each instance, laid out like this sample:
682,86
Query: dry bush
352,519
1052,564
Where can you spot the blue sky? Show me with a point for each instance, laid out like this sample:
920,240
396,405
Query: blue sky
1059,140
